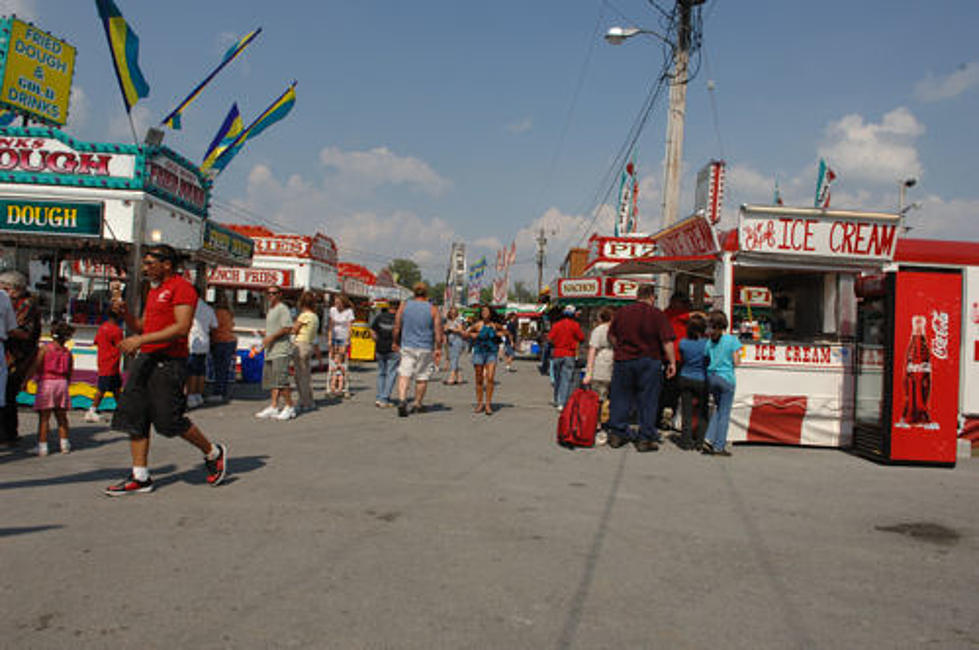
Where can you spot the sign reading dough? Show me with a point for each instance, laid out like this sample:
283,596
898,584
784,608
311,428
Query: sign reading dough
37,72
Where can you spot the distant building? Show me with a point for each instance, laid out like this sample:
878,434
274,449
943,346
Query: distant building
574,263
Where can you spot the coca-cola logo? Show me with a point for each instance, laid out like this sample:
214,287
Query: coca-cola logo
939,329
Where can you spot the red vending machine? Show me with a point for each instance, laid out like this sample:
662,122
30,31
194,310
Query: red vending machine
907,366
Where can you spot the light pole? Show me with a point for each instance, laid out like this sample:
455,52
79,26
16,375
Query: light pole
903,186
678,100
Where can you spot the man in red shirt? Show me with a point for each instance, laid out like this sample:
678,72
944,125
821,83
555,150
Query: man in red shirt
107,341
640,336
565,337
154,392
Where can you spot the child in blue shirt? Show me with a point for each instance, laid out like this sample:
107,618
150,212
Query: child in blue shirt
722,349
692,383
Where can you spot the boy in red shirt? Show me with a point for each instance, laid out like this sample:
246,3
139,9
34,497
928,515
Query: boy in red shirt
154,392
565,337
107,341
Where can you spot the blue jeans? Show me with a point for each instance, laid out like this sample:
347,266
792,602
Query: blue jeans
221,354
635,387
545,359
723,393
456,345
563,378
387,372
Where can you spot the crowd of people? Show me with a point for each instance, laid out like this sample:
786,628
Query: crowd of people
647,365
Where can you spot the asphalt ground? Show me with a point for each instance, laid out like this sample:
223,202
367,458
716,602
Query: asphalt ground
352,528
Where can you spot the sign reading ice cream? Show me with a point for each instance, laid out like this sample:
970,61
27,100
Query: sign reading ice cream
818,233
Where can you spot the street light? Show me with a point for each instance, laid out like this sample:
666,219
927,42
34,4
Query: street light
618,35
903,186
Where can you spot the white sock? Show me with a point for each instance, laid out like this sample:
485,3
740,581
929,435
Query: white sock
141,473
65,444
42,448
214,453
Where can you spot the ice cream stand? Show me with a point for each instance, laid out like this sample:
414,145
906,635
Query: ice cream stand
830,305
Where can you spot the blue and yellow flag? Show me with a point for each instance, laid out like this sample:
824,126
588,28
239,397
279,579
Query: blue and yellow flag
275,112
230,129
173,119
124,46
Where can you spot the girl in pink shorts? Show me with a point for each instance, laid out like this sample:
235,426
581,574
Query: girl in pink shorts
53,367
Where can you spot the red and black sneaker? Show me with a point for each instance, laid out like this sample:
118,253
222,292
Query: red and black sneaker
129,485
217,468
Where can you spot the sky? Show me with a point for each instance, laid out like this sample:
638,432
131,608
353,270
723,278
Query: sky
420,124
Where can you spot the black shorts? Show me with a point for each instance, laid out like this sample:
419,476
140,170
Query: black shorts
109,384
196,365
154,394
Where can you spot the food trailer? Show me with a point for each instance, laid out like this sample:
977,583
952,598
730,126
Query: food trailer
295,263
839,317
79,211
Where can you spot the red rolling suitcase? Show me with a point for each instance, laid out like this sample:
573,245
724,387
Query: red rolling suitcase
578,421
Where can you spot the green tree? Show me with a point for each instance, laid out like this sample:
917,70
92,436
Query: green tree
486,295
436,293
405,272
521,293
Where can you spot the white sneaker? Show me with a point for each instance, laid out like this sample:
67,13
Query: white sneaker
92,416
65,446
194,401
287,413
268,412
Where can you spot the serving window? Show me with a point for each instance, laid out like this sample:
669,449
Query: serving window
793,305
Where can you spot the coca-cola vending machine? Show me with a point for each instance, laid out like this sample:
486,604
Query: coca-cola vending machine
907,366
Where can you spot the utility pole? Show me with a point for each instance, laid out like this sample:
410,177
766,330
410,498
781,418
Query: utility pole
541,243
677,112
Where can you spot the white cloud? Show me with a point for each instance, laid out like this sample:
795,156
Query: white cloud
119,128
937,218
78,108
519,126
881,152
937,88
489,243
26,9
380,166
364,236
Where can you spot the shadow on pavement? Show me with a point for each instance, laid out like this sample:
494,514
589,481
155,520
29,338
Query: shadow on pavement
107,474
26,530
197,476
82,438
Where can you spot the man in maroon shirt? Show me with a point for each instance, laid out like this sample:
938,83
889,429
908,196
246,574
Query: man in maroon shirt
154,392
565,337
640,335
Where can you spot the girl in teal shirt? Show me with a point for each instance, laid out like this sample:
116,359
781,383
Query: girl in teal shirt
722,349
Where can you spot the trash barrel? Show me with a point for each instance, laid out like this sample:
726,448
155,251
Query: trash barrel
251,367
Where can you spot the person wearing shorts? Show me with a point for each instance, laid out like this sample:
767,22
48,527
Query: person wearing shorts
278,353
154,393
485,335
341,318
418,337
107,340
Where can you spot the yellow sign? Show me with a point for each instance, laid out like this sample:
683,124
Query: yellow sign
37,72
361,343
